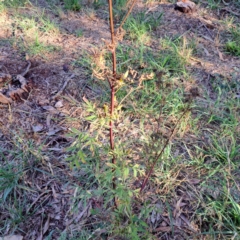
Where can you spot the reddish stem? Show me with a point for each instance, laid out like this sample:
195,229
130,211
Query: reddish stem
112,85
128,13
161,152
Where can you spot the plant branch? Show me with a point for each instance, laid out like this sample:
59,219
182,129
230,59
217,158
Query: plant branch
112,83
164,147
127,14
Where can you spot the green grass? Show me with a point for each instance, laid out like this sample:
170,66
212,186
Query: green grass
73,5
34,28
36,47
15,3
139,27
79,33
233,45
233,48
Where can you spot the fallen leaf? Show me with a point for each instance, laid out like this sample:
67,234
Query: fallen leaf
220,55
40,237
12,237
58,104
165,229
46,225
23,82
155,216
53,131
49,117
55,196
187,222
194,181
56,149
4,77
37,128
206,51
4,99
177,208
50,109
43,102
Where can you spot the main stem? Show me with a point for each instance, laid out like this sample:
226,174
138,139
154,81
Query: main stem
112,85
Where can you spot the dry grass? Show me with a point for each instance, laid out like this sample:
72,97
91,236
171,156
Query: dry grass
194,191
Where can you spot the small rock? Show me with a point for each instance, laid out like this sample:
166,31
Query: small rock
59,104
185,6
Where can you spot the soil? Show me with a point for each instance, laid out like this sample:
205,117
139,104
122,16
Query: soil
36,117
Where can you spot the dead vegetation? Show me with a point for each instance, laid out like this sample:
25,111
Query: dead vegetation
54,113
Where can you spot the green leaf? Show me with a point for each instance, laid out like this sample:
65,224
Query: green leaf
90,118
82,156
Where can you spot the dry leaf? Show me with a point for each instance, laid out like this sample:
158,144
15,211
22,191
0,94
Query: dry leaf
23,82
53,131
187,222
46,225
40,237
49,117
165,229
177,209
58,104
54,192
206,51
220,55
4,77
37,128
50,109
12,237
4,99
194,181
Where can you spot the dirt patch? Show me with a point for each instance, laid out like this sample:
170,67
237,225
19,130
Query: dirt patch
58,82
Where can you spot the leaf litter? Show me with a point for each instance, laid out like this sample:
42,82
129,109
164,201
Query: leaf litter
39,117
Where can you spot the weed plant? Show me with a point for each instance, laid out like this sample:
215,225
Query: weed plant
194,178
233,46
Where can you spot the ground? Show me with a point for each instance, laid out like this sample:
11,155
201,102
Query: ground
182,86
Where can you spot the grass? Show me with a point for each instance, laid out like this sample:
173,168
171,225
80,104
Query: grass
232,46
139,26
15,3
30,31
79,33
67,177
73,5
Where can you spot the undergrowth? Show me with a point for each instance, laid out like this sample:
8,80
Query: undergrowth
173,172
232,46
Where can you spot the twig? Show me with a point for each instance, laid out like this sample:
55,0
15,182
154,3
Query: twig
126,16
203,24
27,69
230,11
161,152
63,87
